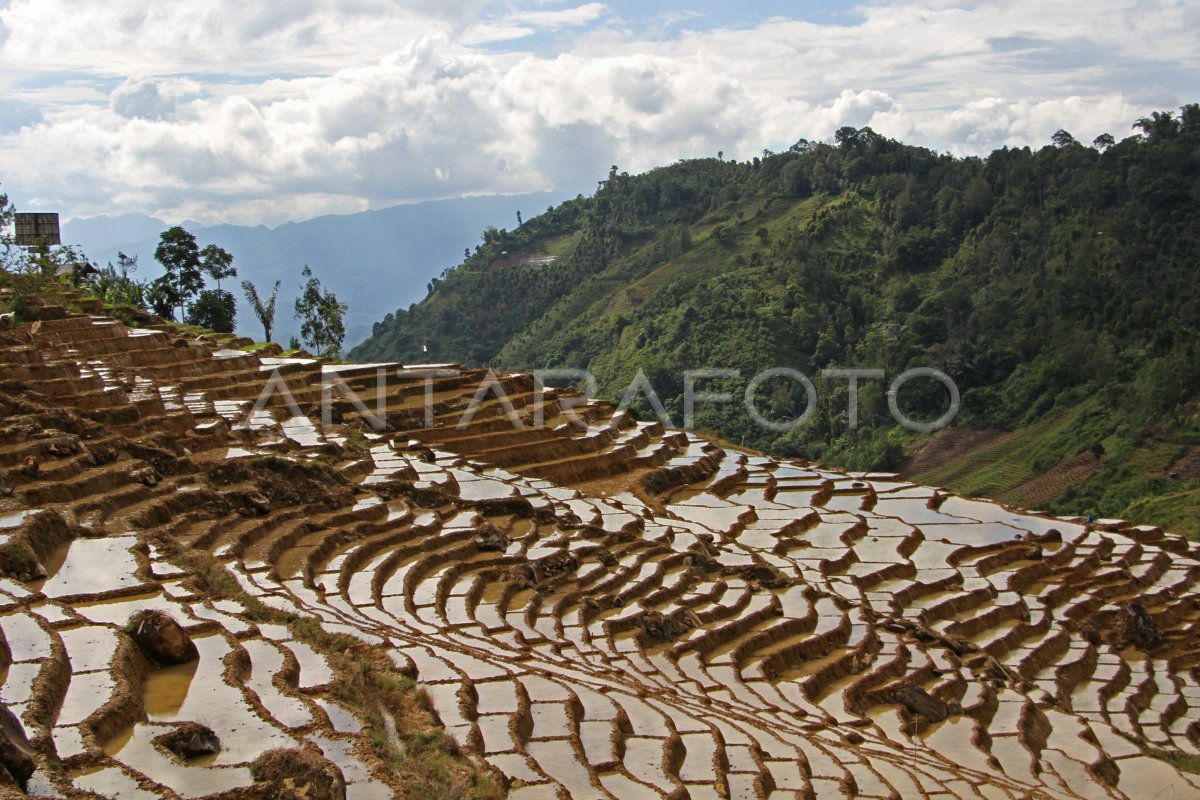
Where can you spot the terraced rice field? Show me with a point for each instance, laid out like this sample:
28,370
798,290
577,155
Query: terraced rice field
596,607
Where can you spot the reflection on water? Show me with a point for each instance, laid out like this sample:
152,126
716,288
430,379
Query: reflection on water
208,699
26,638
111,782
196,777
14,519
92,566
166,689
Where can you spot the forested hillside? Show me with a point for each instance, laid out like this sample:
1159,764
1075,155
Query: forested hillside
1057,286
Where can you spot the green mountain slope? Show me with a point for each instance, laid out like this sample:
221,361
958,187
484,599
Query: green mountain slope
1057,287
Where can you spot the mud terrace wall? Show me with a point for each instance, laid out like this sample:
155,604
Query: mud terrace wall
616,611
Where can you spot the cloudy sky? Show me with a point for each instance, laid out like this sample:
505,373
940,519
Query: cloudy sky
254,111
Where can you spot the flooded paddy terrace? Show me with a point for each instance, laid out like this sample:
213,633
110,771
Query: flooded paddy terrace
615,610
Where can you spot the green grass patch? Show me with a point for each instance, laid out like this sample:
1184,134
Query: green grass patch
1001,468
560,245
1183,762
258,346
1175,513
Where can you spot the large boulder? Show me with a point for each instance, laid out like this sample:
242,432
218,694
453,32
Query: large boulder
557,564
299,773
919,701
16,756
190,740
664,628
489,538
1136,627
161,638
766,575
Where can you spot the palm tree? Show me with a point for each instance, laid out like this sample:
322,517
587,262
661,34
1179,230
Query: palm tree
264,311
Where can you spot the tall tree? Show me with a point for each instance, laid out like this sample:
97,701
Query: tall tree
1062,138
265,311
217,262
180,257
320,315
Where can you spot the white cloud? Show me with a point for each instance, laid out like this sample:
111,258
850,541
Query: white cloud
982,125
262,112
236,37
562,18
150,98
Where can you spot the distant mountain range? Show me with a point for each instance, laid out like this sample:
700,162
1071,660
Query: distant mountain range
375,261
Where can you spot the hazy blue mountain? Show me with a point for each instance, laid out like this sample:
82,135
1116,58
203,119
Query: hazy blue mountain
104,232
375,261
